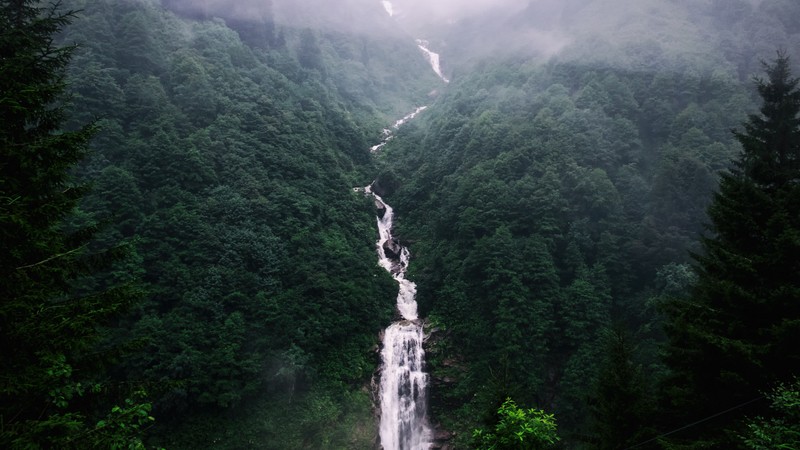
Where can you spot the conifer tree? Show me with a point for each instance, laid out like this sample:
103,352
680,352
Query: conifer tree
48,384
619,405
736,334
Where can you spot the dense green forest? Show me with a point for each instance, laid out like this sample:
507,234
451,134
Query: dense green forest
186,263
233,167
553,203
229,169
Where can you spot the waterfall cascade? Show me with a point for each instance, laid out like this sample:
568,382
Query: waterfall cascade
404,383
404,424
387,132
433,59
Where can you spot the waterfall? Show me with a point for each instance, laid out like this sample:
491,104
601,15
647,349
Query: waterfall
433,59
387,5
404,383
403,386
387,132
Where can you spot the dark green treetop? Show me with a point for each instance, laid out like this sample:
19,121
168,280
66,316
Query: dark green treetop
771,140
736,334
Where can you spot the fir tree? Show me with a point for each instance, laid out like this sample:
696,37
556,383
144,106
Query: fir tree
47,325
620,405
737,333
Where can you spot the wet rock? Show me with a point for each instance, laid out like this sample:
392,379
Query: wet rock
392,249
380,208
442,439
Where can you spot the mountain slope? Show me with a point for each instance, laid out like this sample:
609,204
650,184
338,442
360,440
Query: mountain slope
232,165
553,197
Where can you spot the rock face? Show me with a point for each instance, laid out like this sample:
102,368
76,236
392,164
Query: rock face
441,439
380,209
392,249
440,364
385,184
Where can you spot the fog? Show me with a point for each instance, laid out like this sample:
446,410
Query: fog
451,11
461,30
411,11
343,15
548,20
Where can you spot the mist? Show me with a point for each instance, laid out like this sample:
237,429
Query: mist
637,35
627,33
451,11
349,16
410,11
559,179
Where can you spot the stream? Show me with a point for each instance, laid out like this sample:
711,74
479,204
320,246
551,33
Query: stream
404,384
403,388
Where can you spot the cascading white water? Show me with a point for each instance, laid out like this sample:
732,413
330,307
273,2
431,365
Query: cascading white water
404,424
404,383
433,59
387,132
387,5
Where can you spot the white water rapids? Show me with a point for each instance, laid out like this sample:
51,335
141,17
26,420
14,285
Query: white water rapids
404,424
404,383
387,132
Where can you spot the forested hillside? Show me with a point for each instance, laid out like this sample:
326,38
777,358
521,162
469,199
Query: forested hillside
553,199
187,264
558,214
229,162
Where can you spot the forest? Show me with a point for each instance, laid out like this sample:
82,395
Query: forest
602,208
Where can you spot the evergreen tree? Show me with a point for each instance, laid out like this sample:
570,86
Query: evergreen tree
48,324
620,404
736,335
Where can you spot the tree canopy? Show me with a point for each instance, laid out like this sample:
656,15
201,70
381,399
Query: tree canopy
733,337
550,201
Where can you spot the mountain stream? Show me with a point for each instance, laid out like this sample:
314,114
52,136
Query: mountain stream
403,386
404,383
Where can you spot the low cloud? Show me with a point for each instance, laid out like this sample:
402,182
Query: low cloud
450,11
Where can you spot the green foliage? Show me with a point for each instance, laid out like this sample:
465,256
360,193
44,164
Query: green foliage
542,201
548,200
57,296
734,334
518,428
122,427
319,419
620,406
782,430
545,200
232,166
